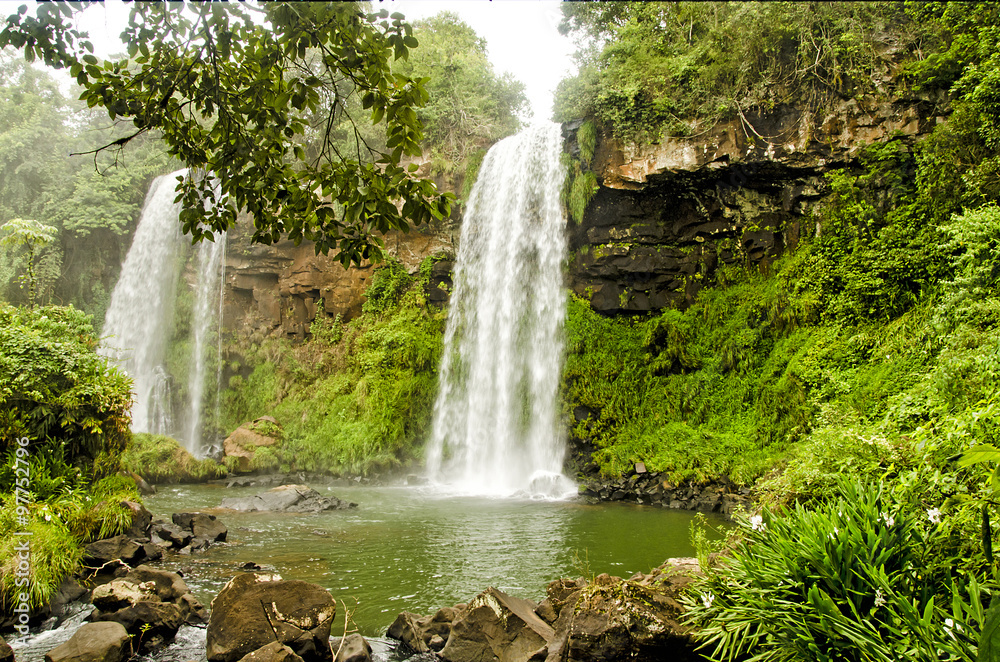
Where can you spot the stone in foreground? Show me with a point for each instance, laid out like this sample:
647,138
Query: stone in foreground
254,610
93,642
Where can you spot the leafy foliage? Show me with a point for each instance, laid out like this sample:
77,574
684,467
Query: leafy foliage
53,385
469,106
193,87
845,580
654,69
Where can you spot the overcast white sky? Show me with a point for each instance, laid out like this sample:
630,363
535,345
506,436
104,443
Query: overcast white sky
521,36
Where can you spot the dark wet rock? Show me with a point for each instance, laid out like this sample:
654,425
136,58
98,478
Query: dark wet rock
171,534
120,547
93,642
497,626
352,648
407,630
141,520
145,489
151,604
607,620
616,619
69,591
273,652
202,525
254,610
289,499
6,652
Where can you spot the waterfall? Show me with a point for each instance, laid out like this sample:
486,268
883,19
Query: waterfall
138,321
208,295
495,429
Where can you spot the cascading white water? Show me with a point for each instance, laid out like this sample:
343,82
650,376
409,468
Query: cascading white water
140,318
137,323
206,306
495,428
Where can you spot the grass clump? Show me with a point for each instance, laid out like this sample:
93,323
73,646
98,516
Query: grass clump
161,459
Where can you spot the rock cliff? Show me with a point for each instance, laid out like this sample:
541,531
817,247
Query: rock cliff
281,288
666,216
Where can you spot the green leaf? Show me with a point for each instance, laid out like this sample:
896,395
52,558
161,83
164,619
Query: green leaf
989,639
978,454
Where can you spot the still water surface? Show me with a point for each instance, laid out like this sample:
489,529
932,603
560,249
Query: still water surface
409,549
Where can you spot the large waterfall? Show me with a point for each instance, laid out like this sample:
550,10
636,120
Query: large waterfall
140,320
495,428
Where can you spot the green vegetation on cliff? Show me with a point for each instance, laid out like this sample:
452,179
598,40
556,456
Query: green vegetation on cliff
358,396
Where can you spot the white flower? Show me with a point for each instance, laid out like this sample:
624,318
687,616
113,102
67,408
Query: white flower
707,599
949,625
48,518
934,515
889,520
879,599
757,523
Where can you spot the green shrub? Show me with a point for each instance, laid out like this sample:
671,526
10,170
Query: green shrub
581,192
54,388
844,581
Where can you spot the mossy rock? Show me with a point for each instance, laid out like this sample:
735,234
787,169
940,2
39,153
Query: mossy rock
250,446
161,459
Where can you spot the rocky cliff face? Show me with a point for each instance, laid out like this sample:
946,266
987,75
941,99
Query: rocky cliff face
666,216
280,289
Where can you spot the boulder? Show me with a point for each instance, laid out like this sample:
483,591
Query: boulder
6,652
353,648
254,610
141,520
273,652
93,642
150,604
407,630
171,534
202,525
120,547
247,438
287,498
497,626
615,619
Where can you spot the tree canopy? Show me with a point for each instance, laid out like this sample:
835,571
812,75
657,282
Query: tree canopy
235,91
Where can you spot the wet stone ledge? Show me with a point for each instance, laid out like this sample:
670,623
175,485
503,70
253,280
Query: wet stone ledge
655,489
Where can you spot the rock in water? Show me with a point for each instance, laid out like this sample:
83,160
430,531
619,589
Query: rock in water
253,611
93,642
353,648
150,604
6,652
288,499
497,626
201,525
273,652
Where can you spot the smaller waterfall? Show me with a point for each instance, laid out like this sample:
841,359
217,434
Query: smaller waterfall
495,428
208,279
138,321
